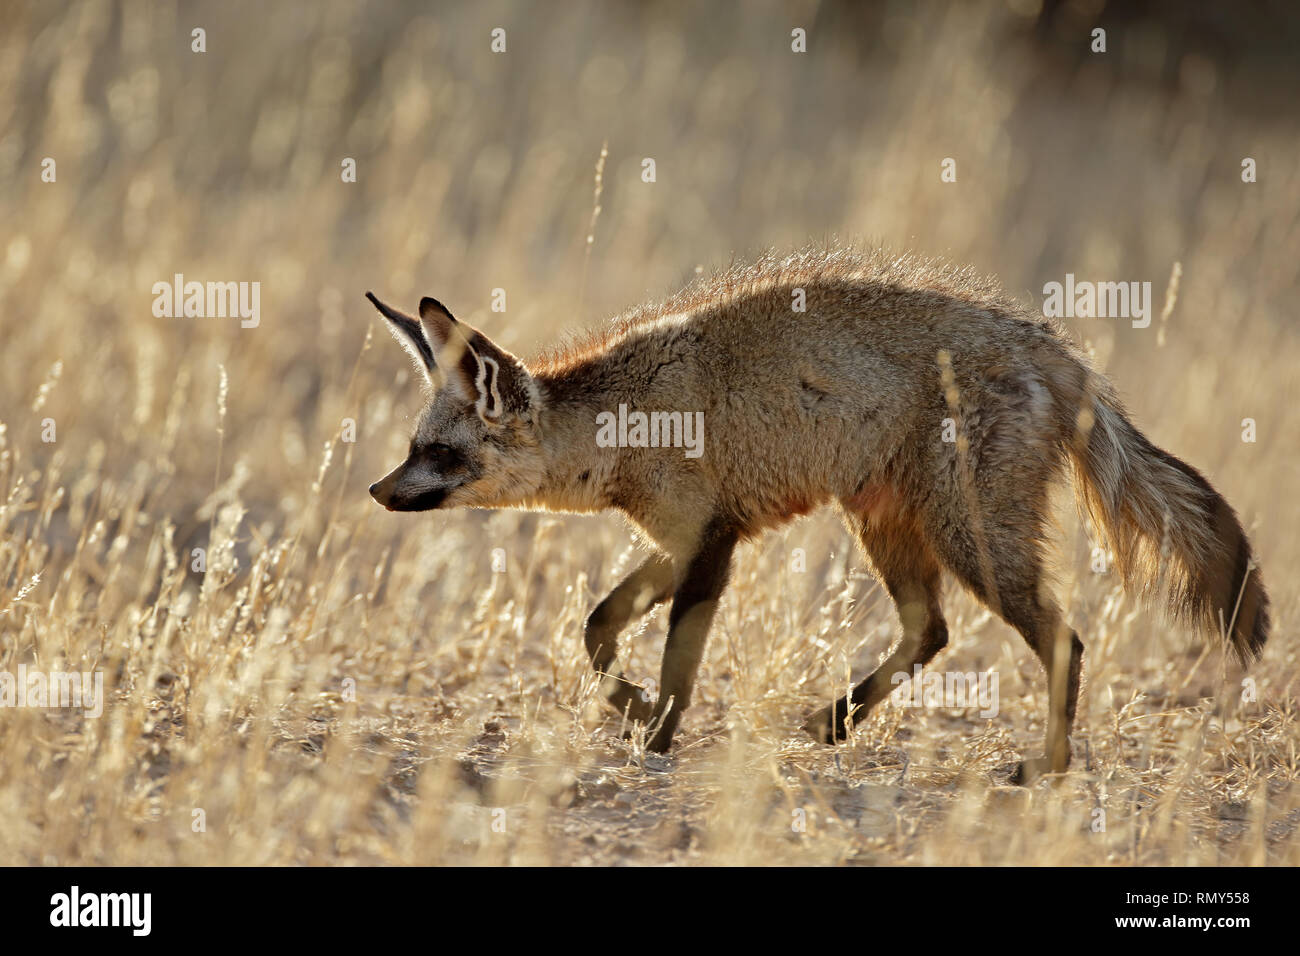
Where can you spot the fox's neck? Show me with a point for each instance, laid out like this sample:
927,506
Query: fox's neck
578,472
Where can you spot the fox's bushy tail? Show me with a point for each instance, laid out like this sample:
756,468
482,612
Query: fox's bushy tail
1172,535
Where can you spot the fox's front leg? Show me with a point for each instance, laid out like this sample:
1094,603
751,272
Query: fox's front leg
694,603
645,588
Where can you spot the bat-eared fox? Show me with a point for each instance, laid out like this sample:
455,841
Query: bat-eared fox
828,376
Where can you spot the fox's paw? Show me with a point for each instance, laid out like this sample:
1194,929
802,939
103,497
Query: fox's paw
660,726
660,743
1029,770
629,700
826,726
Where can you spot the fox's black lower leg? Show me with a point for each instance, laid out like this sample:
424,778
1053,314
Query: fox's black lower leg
1061,653
694,603
910,573
648,586
918,647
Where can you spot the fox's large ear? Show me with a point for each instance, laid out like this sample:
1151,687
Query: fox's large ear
486,374
408,332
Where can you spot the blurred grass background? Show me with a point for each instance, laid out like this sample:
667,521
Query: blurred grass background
476,171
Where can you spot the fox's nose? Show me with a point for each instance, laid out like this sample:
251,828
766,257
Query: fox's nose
383,499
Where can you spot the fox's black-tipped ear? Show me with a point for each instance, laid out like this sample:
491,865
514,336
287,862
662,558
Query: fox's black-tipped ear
439,324
451,344
489,376
408,332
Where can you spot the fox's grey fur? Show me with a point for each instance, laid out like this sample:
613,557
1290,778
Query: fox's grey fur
842,403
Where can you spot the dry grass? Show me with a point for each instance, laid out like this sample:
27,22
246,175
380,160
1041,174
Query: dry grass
473,735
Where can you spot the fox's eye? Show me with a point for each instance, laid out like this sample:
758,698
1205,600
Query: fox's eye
444,456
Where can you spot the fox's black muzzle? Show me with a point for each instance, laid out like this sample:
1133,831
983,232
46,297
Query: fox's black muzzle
424,501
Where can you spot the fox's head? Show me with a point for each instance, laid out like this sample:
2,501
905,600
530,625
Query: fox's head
477,442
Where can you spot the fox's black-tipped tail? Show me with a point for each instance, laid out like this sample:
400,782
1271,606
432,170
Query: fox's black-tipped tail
1171,533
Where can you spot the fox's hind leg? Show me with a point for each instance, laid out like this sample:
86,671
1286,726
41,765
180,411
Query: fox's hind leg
909,570
646,587
1039,621
1011,557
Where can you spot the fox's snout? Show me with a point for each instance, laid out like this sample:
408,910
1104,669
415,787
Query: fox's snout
395,493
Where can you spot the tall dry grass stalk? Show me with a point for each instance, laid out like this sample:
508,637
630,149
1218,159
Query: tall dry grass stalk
591,226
